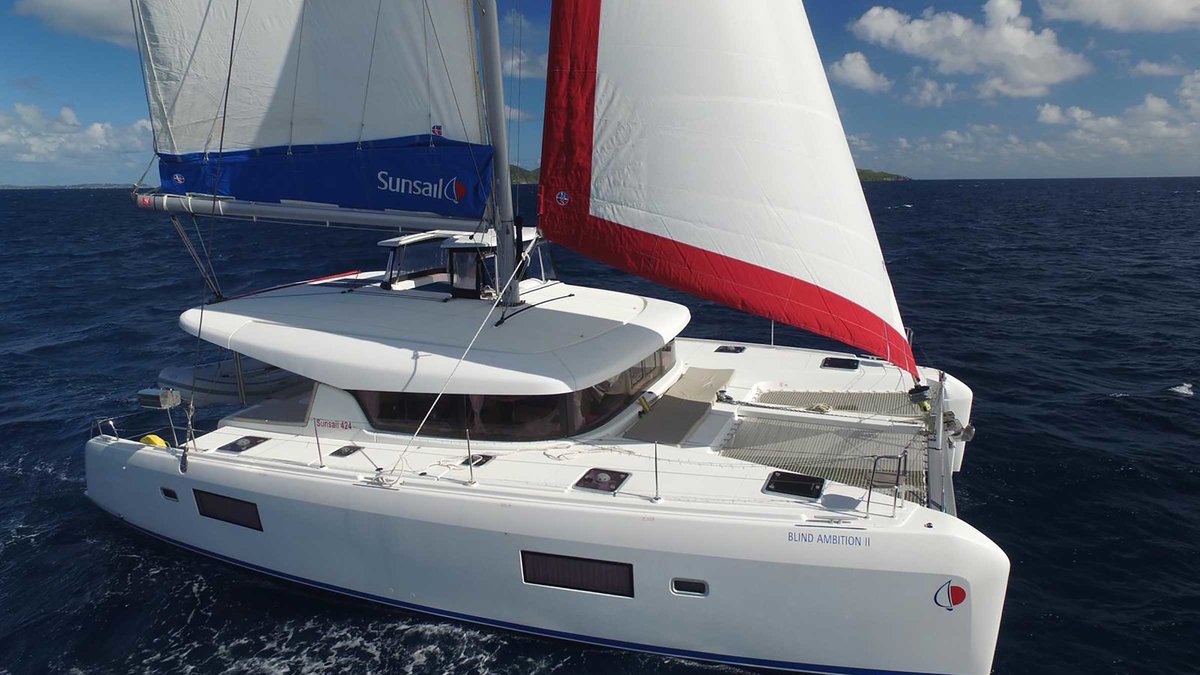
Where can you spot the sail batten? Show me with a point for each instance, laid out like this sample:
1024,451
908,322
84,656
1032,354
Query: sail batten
368,106
696,143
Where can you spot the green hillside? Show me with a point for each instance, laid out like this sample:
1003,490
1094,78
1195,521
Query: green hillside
871,176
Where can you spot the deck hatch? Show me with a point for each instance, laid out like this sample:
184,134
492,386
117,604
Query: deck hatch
602,480
477,460
242,444
840,364
580,574
346,450
794,485
228,509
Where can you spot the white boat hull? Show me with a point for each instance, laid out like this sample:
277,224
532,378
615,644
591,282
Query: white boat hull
796,596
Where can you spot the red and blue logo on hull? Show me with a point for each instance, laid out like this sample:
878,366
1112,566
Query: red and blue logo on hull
949,596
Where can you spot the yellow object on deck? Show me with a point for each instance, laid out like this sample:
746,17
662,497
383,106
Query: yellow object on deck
153,439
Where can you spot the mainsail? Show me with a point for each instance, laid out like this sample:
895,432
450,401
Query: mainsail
371,106
696,143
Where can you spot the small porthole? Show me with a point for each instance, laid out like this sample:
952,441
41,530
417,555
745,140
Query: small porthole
168,493
689,587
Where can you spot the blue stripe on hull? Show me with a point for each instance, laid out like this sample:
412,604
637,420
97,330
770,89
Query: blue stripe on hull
545,632
424,173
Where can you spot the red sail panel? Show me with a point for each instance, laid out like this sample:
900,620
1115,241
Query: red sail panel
641,221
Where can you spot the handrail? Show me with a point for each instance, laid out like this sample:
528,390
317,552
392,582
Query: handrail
901,470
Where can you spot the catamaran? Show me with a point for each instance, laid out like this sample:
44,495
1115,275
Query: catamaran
462,434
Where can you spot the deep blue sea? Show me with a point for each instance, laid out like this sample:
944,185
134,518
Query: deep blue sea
1071,307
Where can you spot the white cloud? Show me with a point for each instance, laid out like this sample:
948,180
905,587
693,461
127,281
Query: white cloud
515,115
860,143
927,93
518,62
1051,114
1153,128
1128,15
854,70
1156,137
1173,68
30,136
108,20
1189,94
1014,59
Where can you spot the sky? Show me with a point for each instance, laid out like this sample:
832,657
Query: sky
927,88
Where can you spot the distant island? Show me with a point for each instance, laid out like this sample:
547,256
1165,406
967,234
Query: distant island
80,186
521,176
870,176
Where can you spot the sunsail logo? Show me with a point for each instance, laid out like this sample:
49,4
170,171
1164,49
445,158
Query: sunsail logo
449,189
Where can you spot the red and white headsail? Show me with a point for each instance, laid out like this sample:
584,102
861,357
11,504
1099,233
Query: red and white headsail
696,143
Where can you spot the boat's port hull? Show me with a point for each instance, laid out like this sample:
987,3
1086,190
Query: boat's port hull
800,595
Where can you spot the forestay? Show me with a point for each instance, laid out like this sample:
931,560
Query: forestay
359,105
696,143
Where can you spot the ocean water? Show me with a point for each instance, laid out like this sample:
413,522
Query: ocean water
1071,307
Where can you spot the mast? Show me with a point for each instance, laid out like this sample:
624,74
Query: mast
506,244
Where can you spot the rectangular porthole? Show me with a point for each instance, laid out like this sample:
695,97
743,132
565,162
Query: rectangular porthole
689,587
580,574
228,509
168,493
840,364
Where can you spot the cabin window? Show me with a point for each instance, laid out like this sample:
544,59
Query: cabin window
417,260
515,418
580,574
228,509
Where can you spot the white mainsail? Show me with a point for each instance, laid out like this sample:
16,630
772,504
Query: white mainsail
696,143
360,105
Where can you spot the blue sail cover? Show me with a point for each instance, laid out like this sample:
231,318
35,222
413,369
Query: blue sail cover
429,174
287,88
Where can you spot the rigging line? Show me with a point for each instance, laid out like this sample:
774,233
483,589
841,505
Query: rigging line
191,409
217,115
362,120
520,82
187,244
207,255
454,94
295,77
150,74
149,164
220,151
428,82
483,324
138,35
512,65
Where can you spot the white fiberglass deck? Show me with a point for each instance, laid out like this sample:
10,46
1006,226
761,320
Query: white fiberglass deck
350,333
729,449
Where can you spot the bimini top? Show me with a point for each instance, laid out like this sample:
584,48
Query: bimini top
357,336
